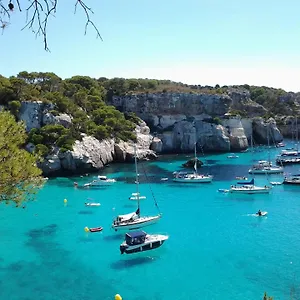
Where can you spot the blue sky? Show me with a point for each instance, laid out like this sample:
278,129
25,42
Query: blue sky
197,42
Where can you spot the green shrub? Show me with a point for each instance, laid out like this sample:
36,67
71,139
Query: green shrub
42,150
14,107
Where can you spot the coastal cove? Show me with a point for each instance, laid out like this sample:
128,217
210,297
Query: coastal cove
218,248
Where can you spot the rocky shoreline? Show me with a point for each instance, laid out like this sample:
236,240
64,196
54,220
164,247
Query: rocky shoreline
170,123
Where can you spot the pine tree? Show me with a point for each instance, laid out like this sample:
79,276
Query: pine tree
20,178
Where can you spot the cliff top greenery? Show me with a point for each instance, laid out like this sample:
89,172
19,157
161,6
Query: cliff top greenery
86,100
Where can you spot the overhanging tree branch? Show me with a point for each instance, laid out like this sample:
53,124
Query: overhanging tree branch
38,13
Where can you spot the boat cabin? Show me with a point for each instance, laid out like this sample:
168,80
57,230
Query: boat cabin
135,237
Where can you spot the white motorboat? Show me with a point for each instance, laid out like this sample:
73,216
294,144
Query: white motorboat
293,179
136,196
192,177
249,189
134,220
232,155
265,167
139,241
100,181
92,204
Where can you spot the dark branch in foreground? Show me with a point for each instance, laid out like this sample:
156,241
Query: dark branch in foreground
38,13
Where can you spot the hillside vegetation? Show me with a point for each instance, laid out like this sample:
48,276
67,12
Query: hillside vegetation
85,100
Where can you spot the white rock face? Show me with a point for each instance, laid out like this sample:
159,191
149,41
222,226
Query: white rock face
262,129
247,125
31,114
51,164
236,133
156,145
212,137
92,152
62,119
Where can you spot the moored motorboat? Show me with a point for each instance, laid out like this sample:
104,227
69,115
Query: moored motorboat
250,189
294,179
265,167
92,204
232,155
139,241
100,181
136,196
192,177
96,229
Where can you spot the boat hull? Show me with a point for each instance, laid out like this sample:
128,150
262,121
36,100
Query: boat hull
291,182
193,180
142,248
146,221
262,191
271,171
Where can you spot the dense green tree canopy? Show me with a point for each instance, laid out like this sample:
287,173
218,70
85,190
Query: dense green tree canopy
86,100
19,175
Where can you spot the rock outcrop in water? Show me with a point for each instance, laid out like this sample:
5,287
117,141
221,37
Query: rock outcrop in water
90,154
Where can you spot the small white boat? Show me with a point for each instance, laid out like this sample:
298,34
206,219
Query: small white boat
136,196
223,190
265,167
275,182
139,241
164,179
100,181
192,178
250,189
92,204
261,213
232,155
134,221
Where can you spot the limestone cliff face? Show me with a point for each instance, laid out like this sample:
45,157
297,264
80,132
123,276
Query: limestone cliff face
262,131
90,154
87,155
170,116
146,105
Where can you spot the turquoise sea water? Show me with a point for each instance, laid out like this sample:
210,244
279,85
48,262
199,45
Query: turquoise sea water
217,249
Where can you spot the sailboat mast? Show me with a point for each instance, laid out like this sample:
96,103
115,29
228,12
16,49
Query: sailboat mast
268,138
136,178
196,160
297,133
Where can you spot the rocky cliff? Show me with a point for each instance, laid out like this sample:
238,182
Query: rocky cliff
179,120
89,154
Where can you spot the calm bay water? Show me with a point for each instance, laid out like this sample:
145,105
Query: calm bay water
217,249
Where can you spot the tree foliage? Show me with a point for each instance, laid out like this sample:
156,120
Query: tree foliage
19,175
38,13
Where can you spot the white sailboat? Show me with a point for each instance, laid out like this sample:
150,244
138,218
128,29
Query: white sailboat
263,166
134,220
194,177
